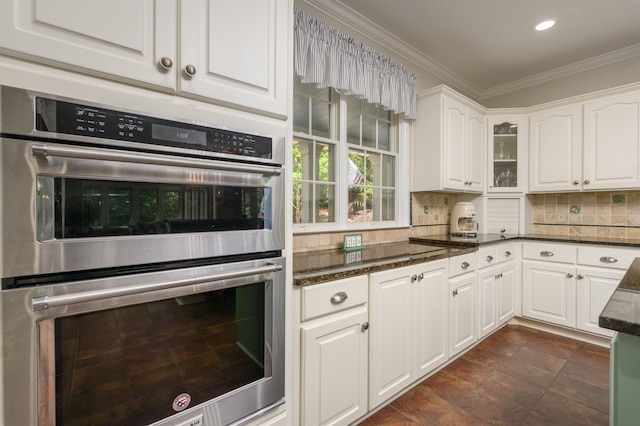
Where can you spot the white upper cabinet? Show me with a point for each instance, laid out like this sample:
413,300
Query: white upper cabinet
611,143
555,150
227,51
506,152
448,143
592,146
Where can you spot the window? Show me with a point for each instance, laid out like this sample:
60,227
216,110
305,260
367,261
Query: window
346,162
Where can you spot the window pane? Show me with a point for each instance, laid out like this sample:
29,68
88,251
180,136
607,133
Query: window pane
374,169
356,209
353,121
388,204
302,202
300,114
302,160
388,171
384,130
325,166
325,194
385,114
356,166
320,118
374,203
368,131
368,108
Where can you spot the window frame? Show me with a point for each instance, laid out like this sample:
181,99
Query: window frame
402,128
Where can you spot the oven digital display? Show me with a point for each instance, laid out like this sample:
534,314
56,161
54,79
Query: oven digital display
176,134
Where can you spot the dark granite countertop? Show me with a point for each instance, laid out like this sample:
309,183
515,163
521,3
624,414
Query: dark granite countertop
622,312
327,265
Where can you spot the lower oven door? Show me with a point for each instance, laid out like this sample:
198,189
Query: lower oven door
166,347
68,208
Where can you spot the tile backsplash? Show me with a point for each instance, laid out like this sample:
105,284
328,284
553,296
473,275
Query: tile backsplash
590,214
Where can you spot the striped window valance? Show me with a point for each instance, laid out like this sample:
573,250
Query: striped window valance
330,58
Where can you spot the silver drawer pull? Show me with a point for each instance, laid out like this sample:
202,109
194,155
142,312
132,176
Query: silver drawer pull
546,253
507,253
339,297
489,258
608,259
465,265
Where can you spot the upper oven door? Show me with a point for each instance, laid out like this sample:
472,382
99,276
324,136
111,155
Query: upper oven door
69,208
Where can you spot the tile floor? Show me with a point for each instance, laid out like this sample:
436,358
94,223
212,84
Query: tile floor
517,376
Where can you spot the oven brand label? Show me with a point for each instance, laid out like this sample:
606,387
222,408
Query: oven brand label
181,402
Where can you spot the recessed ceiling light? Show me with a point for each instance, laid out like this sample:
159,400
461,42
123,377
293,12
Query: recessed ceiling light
545,25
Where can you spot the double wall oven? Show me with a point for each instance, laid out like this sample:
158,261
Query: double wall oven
142,268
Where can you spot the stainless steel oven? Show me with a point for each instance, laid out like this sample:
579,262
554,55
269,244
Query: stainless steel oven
142,276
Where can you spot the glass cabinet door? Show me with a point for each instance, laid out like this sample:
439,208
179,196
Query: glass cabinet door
506,156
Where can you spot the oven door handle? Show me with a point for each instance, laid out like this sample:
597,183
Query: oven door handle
43,150
46,302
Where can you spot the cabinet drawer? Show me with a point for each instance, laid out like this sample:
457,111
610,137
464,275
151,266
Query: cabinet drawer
607,257
334,296
487,256
549,252
464,263
505,251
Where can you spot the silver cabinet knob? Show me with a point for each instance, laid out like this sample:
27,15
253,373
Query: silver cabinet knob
569,275
166,62
414,278
190,70
546,253
587,181
507,253
420,277
455,292
465,265
339,297
365,326
502,231
608,259
580,276
489,258
576,182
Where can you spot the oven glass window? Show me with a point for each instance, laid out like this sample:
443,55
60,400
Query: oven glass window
79,208
127,365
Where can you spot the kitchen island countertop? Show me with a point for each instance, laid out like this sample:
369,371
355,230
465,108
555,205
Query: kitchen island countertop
622,312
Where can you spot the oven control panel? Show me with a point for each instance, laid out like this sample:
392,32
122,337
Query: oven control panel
67,118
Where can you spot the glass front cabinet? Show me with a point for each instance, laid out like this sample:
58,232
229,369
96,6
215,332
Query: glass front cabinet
507,153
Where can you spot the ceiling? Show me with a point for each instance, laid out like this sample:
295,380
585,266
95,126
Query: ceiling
489,47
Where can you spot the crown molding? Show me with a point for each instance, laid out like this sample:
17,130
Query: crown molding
365,28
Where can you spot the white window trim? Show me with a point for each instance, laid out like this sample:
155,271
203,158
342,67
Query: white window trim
341,194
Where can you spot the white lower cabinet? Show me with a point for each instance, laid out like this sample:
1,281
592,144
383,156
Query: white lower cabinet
569,285
496,287
462,317
334,352
593,291
409,322
549,292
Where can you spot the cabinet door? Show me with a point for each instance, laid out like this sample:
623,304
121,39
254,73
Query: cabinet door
391,333
455,145
506,292
555,157
549,292
122,40
474,151
432,317
236,51
334,369
462,317
612,143
506,154
487,315
594,289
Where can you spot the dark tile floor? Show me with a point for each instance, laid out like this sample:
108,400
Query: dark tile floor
517,376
